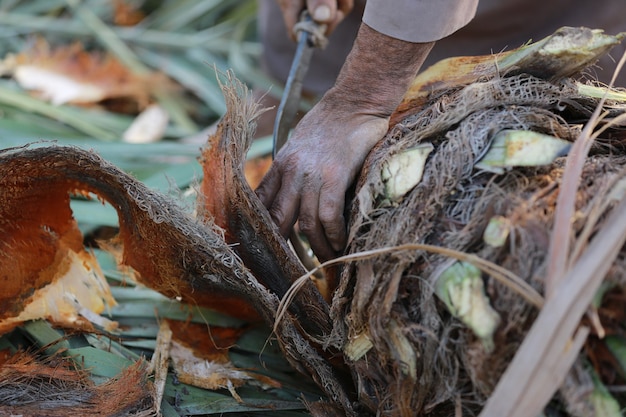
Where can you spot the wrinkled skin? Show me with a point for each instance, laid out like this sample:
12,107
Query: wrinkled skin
312,172
328,12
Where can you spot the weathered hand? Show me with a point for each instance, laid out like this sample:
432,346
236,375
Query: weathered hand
311,174
329,12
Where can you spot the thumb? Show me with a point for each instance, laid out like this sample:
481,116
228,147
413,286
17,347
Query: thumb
323,11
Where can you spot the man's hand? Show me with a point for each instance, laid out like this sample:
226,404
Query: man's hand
311,174
328,12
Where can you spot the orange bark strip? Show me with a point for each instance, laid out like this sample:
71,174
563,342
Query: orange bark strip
163,244
215,184
229,201
36,233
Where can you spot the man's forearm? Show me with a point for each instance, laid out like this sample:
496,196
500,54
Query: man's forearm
377,72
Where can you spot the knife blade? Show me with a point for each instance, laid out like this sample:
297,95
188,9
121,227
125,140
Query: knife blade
290,100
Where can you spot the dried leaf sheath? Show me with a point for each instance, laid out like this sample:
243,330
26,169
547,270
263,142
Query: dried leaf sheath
31,252
562,54
229,202
171,252
232,205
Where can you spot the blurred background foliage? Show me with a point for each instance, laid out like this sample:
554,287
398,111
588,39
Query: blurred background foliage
176,48
188,41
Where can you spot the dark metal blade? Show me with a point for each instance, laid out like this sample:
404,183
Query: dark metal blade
293,89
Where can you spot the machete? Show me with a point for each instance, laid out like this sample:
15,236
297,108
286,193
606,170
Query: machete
309,36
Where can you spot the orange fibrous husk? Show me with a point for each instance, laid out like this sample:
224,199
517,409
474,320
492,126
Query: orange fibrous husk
69,74
52,276
155,235
77,295
55,387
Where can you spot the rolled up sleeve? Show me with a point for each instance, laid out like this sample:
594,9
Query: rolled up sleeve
418,20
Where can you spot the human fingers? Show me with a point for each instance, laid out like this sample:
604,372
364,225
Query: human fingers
285,205
331,213
268,187
328,12
309,223
322,11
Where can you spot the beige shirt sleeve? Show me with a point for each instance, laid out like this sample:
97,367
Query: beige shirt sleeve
418,20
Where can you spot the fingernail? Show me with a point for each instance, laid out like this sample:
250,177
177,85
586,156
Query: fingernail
322,13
